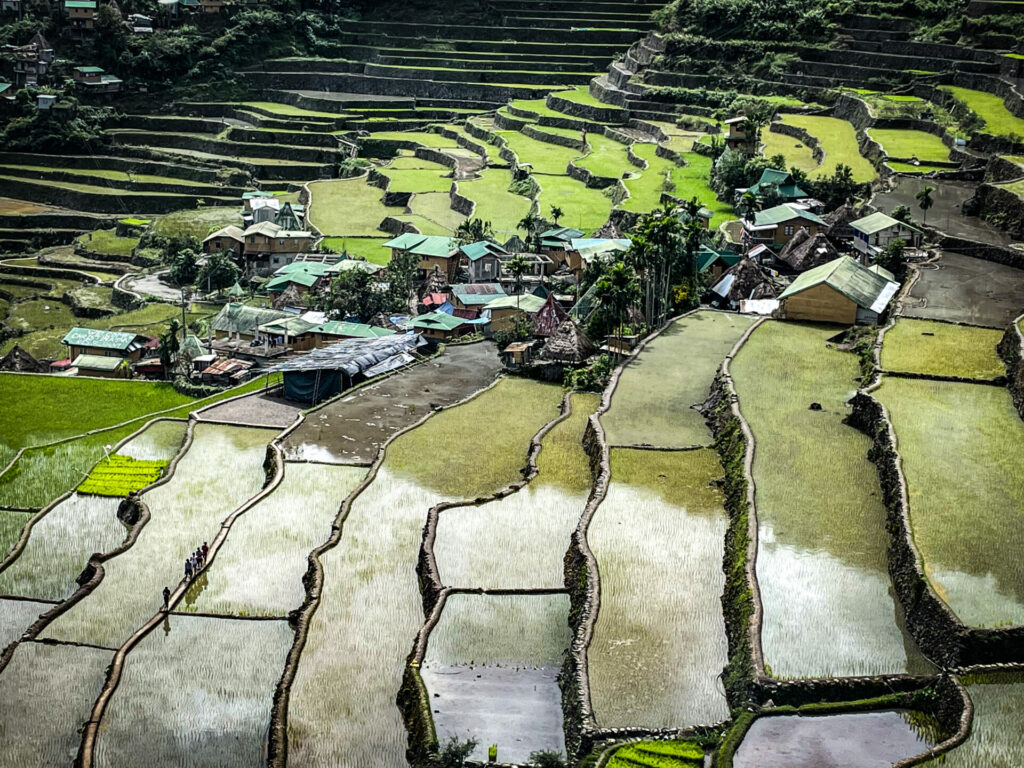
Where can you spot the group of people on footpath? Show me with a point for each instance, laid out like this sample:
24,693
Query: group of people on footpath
193,565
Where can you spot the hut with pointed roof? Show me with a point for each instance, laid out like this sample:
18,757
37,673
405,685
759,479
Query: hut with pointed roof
568,344
743,281
549,317
806,252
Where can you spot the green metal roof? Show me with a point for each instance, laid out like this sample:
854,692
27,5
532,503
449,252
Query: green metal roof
91,337
238,318
564,234
281,282
477,294
437,321
422,245
317,268
859,284
706,257
4,87
79,3
256,193
89,70
293,325
876,222
474,251
98,362
353,330
527,303
783,213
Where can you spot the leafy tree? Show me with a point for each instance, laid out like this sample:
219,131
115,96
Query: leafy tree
473,231
529,224
401,276
219,272
454,753
593,378
169,346
184,270
355,293
892,259
548,758
517,266
653,253
617,290
838,189
902,213
925,201
556,213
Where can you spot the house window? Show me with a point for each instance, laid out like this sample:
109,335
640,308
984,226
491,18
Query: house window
788,229
487,268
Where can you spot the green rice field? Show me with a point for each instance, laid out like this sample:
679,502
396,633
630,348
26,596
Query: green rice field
259,570
838,139
926,147
656,653
963,503
942,349
16,617
996,738
186,511
797,154
650,407
181,673
11,524
991,108
494,203
347,207
828,602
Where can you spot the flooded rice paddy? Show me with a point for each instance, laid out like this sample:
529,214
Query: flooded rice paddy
856,740
964,503
491,671
997,739
829,608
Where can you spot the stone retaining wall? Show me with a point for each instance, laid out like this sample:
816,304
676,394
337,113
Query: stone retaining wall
999,207
1011,350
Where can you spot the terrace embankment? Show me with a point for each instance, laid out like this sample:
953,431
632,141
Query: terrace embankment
1011,350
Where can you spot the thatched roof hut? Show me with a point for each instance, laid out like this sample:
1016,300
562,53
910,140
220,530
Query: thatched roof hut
745,280
21,361
436,282
609,231
290,297
804,252
839,223
549,317
568,344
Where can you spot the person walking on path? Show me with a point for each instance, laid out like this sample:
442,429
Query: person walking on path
206,551
188,569
167,598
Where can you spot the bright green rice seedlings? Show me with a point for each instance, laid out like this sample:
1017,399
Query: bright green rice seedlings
683,181
658,754
489,434
653,402
348,207
487,649
659,643
209,682
198,222
186,511
942,349
797,154
60,545
106,241
584,208
39,314
838,139
926,147
435,140
991,108
996,739
369,248
436,207
542,156
121,475
825,587
962,447
48,691
16,616
606,157
521,540
259,571
494,203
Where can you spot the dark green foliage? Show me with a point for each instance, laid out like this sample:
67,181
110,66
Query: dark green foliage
593,378
838,189
474,230
782,20
184,270
353,166
733,738
892,259
547,759
356,294
66,127
737,170
219,272
453,754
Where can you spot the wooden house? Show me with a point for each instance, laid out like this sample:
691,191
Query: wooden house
267,246
556,242
95,80
475,295
873,234
97,343
230,239
435,253
482,261
102,367
841,291
439,326
776,226
81,14
504,310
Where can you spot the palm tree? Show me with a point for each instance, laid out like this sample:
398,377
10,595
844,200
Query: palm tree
617,289
528,223
169,346
556,213
925,201
517,266
748,205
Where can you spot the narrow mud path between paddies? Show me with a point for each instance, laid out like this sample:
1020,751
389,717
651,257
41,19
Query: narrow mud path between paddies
352,429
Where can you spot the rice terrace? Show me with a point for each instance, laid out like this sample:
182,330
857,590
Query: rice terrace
612,384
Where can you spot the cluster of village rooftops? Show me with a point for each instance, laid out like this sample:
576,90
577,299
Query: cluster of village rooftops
794,262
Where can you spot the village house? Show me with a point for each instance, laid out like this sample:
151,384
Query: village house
783,185
305,276
557,242
347,265
505,309
11,6
96,343
238,321
538,266
101,367
267,246
436,253
80,13
289,332
873,234
230,239
6,93
211,6
482,261
841,291
440,326
703,216
31,61
475,295
776,226
737,137
337,330
93,80
255,194
226,372
581,251
715,263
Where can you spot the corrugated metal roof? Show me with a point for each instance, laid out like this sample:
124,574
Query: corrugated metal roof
423,245
352,330
527,303
878,221
238,318
92,337
474,251
281,282
226,367
98,362
477,293
854,281
782,213
437,321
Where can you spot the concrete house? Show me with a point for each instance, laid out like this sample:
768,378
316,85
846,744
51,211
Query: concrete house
31,61
873,234
95,80
475,295
81,14
776,226
556,242
841,291
267,246
504,310
482,261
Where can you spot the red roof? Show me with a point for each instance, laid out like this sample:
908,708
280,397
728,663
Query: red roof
58,364
434,299
466,314
227,367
